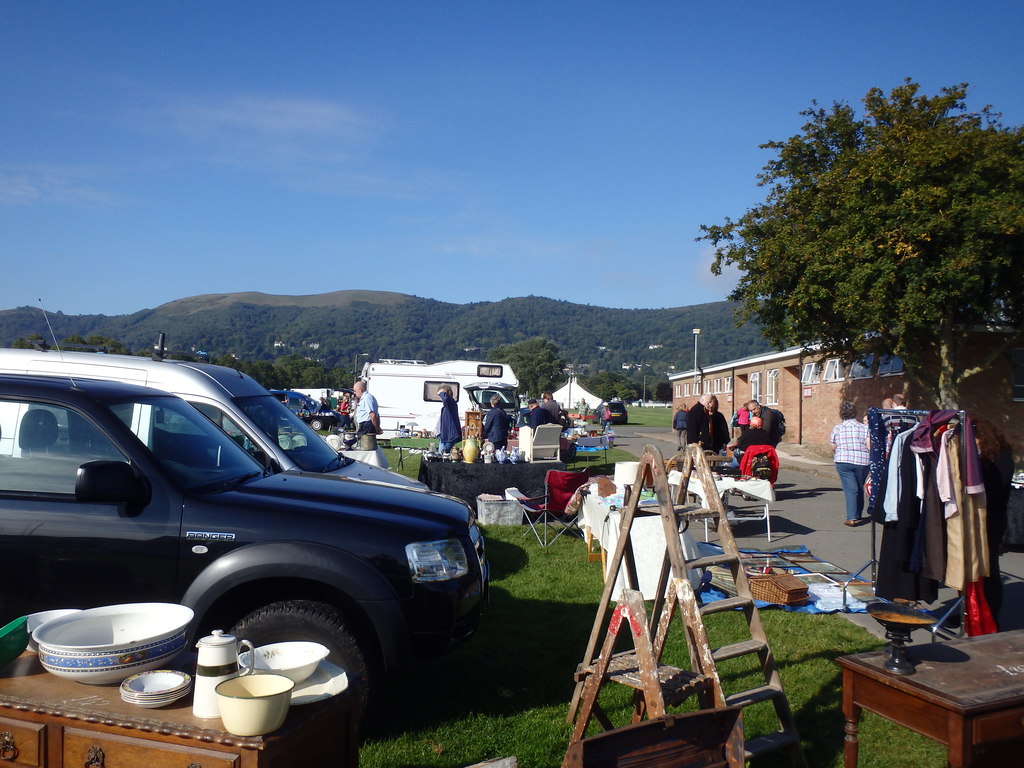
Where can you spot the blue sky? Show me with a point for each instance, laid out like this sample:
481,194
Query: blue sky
460,151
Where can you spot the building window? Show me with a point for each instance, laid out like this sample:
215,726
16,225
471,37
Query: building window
727,384
771,390
1017,359
717,388
861,369
890,365
810,374
686,390
678,390
834,370
755,386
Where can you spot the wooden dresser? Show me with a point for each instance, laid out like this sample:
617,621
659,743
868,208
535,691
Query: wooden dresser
49,721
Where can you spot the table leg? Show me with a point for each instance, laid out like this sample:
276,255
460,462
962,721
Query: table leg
852,713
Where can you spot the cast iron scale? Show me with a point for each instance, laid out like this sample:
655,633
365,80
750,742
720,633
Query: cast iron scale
899,621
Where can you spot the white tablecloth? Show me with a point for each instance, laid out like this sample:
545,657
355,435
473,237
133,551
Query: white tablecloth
374,458
647,537
758,490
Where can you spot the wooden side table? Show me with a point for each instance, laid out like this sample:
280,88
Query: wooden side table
49,721
967,694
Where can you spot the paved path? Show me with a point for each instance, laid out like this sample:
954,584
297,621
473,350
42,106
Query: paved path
810,510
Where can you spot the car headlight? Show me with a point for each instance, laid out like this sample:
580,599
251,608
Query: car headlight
436,560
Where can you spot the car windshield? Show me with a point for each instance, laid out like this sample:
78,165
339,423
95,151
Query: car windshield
306,448
198,456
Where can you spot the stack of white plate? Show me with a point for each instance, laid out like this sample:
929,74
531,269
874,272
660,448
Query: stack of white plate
156,688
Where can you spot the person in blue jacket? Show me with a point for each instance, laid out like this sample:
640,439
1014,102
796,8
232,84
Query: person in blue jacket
497,424
449,428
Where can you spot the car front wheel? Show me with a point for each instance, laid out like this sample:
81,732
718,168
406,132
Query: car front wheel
317,424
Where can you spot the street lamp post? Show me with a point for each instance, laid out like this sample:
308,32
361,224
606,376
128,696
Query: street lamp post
355,366
696,333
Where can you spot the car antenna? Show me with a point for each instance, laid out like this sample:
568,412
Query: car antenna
53,335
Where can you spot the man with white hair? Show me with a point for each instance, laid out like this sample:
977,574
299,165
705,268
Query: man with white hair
367,411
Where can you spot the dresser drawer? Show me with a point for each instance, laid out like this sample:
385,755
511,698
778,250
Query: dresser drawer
111,751
1008,724
21,743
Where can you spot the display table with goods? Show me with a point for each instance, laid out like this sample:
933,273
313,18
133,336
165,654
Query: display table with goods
46,720
966,694
467,481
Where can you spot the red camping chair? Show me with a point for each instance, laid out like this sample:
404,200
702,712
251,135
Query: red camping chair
548,511
748,457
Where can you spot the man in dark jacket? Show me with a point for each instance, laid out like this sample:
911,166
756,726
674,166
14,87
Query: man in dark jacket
697,420
769,419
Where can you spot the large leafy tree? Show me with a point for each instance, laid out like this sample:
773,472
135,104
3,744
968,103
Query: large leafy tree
899,232
536,362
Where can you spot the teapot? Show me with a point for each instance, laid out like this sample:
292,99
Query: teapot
217,661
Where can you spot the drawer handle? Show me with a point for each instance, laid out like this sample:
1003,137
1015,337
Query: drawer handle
8,750
95,758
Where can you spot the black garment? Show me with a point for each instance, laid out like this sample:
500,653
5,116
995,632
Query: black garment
896,578
997,477
752,436
696,423
770,424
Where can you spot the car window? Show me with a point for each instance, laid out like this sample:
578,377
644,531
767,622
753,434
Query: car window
228,424
193,450
42,446
306,448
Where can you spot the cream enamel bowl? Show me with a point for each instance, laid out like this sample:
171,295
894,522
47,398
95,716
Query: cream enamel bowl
296,659
255,704
108,644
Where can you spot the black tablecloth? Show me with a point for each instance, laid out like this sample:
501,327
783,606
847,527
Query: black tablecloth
467,481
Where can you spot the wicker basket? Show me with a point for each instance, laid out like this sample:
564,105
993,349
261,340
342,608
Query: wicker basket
778,588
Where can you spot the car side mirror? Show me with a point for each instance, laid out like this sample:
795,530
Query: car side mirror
111,482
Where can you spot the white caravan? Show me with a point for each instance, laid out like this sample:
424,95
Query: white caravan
406,390
235,402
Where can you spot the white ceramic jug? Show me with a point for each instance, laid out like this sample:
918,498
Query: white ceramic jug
217,661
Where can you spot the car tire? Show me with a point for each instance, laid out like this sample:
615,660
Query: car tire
317,424
320,623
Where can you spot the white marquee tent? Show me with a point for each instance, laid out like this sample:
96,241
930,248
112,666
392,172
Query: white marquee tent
572,393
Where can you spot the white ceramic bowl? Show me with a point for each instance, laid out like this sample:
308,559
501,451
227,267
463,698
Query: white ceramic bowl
36,620
108,644
253,705
296,660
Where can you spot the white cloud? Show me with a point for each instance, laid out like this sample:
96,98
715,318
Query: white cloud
37,185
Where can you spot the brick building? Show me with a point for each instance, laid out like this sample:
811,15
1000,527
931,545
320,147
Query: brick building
808,390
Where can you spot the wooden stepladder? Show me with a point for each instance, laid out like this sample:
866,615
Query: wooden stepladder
657,685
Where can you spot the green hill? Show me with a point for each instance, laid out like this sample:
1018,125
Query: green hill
335,327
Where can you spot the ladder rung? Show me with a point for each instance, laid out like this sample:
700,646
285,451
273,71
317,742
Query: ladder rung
752,696
694,513
676,684
709,560
726,604
738,649
759,745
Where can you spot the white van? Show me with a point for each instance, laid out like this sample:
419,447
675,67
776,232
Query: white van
406,390
234,401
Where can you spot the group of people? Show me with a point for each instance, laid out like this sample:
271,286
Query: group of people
705,424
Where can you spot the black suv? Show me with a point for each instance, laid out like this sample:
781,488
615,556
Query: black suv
112,493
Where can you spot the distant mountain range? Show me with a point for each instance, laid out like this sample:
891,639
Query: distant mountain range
335,328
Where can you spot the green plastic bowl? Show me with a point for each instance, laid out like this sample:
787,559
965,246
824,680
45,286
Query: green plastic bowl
13,640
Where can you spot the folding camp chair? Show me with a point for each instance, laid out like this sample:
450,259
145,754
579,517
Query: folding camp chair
548,511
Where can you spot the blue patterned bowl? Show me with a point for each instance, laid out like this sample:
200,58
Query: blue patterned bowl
108,644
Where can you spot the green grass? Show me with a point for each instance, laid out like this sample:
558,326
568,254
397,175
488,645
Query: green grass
649,417
506,692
